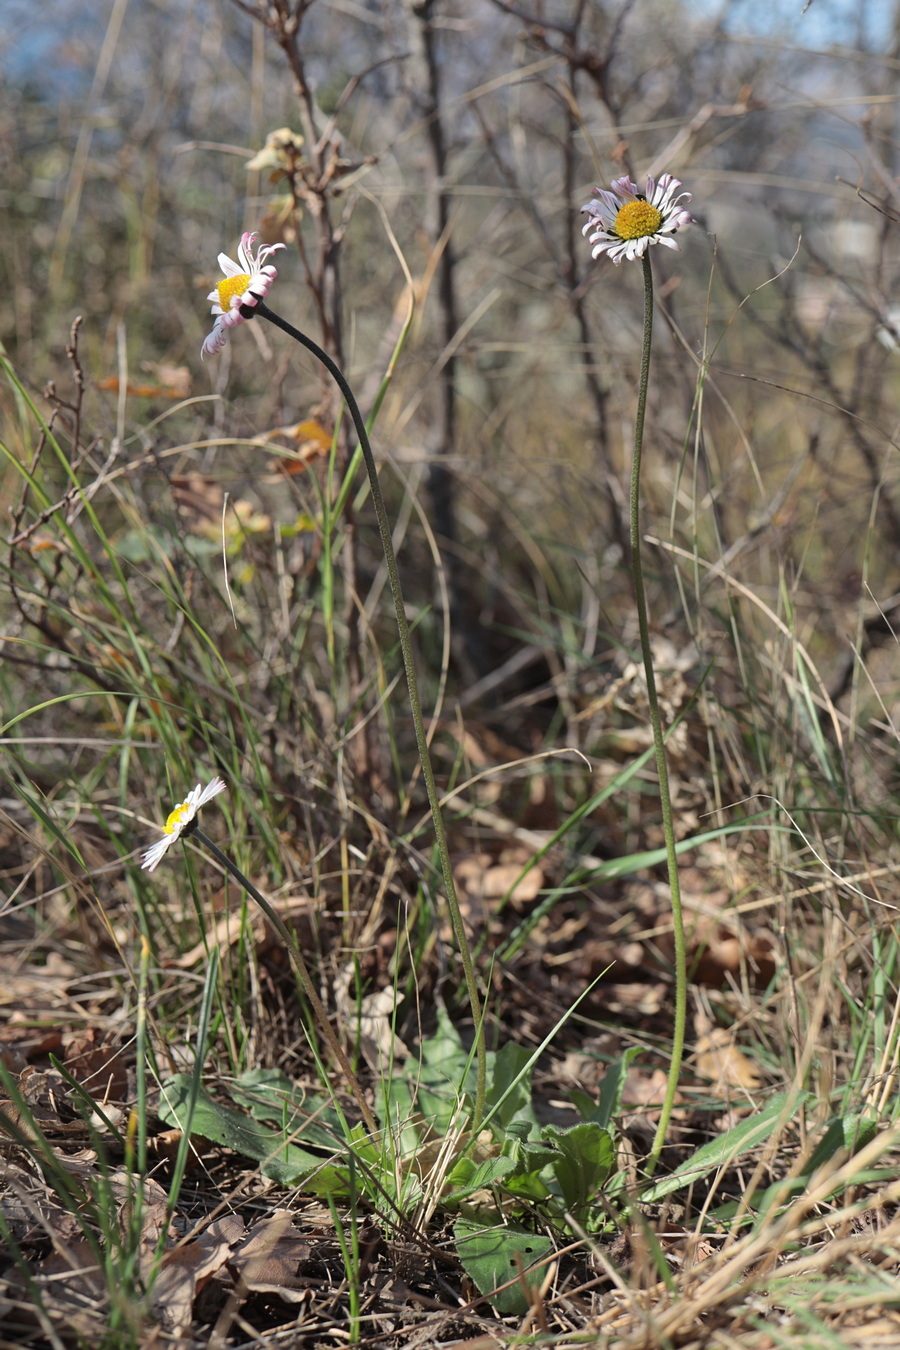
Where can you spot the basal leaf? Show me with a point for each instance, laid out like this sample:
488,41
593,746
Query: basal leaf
584,1158
285,1163
492,1256
510,1082
468,1176
268,1094
730,1145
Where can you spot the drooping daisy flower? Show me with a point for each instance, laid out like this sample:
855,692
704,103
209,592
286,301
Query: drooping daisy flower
626,222
178,821
246,282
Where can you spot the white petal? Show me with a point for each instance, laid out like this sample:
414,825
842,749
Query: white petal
623,187
211,790
267,253
245,251
156,852
217,338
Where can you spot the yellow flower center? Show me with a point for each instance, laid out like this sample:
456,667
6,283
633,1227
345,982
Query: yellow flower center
232,286
636,219
176,818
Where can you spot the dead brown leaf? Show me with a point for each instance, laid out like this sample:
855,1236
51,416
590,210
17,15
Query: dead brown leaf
483,878
229,930
373,1015
269,1258
310,441
187,1269
96,1064
174,383
719,1059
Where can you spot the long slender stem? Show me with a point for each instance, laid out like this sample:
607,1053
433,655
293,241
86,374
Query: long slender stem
659,744
387,545
305,978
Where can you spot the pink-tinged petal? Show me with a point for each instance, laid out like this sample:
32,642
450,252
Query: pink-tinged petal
217,339
260,276
245,252
624,187
622,231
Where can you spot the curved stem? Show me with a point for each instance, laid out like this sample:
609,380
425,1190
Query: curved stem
305,978
387,545
659,745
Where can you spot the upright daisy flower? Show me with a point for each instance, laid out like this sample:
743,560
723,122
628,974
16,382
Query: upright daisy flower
625,222
246,282
179,820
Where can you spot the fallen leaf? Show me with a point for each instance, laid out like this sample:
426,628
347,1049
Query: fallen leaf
175,382
186,1269
269,1258
311,441
373,1016
230,929
719,1059
98,1066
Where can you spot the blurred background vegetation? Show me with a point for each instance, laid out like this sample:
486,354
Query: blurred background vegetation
434,156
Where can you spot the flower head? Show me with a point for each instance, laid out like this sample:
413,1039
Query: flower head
179,820
626,222
245,283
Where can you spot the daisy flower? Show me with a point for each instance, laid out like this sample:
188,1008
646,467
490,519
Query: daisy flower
179,820
246,282
625,222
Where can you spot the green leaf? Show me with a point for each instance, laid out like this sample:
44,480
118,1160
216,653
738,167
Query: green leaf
613,1086
585,1159
851,1132
510,1083
847,1134
529,1158
636,862
491,1256
268,1094
285,1163
433,1089
719,1152
529,1155
468,1176
611,1089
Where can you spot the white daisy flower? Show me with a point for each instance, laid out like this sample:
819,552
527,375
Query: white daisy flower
178,821
246,282
626,222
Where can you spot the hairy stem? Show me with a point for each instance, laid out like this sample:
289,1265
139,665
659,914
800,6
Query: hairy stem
387,545
659,745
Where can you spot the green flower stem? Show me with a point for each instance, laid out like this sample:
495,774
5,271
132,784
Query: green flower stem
305,978
387,545
659,744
